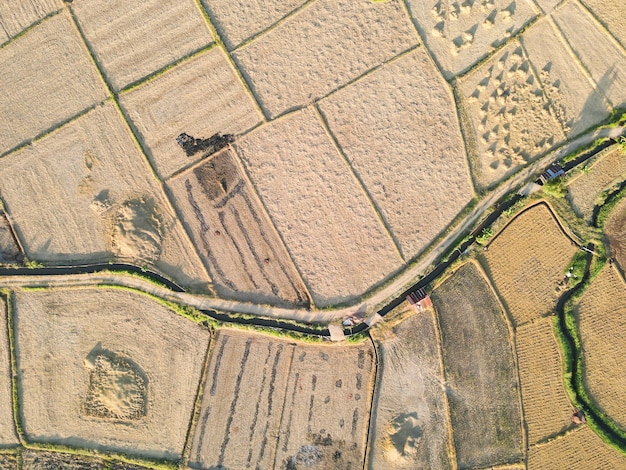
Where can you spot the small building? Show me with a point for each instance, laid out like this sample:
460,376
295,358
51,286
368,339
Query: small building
419,300
554,171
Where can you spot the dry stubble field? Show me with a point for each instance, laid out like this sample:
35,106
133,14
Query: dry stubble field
612,15
410,425
479,369
8,437
615,231
115,370
17,16
9,249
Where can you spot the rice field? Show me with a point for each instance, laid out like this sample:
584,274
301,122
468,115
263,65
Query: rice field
612,15
15,17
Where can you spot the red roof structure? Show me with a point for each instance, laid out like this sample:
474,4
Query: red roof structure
420,300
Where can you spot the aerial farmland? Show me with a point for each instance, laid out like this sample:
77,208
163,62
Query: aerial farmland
312,234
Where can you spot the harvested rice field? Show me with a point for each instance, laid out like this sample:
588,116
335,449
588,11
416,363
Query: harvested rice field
8,437
479,369
311,53
329,226
122,34
399,130
235,238
272,403
580,449
9,248
8,462
607,169
93,198
115,370
615,231
527,261
51,78
409,420
611,14
601,319
45,460
459,34
15,17
547,409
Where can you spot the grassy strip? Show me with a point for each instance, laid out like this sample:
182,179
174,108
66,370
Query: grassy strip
29,28
611,200
8,299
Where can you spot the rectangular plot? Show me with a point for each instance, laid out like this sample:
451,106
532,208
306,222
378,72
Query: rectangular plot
235,239
328,224
313,53
8,435
18,15
51,78
612,15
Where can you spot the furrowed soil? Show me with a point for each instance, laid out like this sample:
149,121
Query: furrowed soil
459,34
480,371
312,53
8,436
9,249
51,78
200,97
122,34
612,15
547,409
398,127
601,319
272,403
410,426
327,222
234,236
115,370
580,449
17,16
615,231
92,197
8,462
527,261
607,170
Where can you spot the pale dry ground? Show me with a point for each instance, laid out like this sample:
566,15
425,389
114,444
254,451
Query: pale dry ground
581,449
547,409
399,129
608,169
133,39
615,230
92,197
9,249
234,236
603,57
459,34
201,97
312,53
527,263
573,98
509,114
165,348
51,78
548,5
612,14
17,16
322,213
479,368
410,425
601,318
8,437
238,20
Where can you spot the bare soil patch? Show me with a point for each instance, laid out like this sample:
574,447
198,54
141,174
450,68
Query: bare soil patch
615,231
480,371
322,213
9,249
234,236
601,318
122,34
547,409
459,34
8,436
398,127
92,197
139,401
200,97
51,78
410,427
527,262
15,17
312,53
612,14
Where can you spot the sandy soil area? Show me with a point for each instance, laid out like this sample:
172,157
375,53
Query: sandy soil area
9,249
598,51
150,344
410,425
327,223
200,97
238,20
8,436
481,380
615,230
398,127
17,16
51,78
601,316
511,120
547,410
92,197
312,53
612,14
235,238
459,33
123,35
